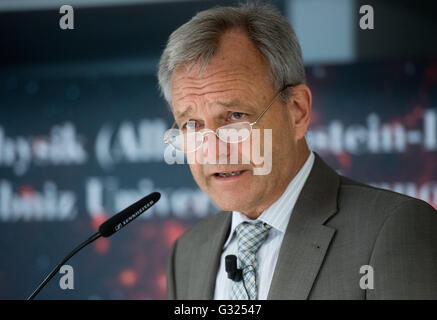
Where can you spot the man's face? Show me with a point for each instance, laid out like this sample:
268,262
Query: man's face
236,87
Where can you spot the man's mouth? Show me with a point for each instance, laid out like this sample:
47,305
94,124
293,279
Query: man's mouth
229,174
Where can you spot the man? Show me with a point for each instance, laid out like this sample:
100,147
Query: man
300,231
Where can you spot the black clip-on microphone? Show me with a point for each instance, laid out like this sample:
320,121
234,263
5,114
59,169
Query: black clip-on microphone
234,273
106,229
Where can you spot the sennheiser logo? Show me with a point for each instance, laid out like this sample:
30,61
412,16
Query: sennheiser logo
118,227
137,213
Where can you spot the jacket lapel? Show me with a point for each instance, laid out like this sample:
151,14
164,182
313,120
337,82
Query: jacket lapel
306,239
205,266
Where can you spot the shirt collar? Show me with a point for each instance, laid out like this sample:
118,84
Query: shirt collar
278,214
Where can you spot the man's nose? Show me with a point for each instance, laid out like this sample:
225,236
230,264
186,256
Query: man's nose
214,149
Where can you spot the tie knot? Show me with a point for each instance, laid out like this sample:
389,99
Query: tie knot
251,236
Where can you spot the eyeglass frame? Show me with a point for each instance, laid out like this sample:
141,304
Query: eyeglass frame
166,138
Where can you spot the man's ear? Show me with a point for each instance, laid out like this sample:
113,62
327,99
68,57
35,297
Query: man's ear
299,107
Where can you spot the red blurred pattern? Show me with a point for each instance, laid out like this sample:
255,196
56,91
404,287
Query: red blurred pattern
414,117
344,159
27,191
97,219
101,245
128,278
172,231
161,283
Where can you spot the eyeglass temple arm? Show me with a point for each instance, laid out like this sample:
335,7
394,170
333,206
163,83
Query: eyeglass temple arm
271,103
168,134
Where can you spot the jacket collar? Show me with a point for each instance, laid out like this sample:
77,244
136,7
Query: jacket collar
303,249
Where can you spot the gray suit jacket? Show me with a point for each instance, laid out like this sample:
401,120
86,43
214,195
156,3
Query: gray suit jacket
337,226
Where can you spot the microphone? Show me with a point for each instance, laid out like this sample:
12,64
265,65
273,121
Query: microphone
121,219
234,273
106,229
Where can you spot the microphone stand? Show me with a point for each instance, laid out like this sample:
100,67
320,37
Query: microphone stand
56,269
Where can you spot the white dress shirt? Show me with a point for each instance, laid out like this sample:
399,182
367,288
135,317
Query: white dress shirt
277,216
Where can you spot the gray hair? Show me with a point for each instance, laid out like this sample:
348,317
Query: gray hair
197,41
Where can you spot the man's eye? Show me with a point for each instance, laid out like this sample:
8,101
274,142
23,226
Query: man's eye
237,115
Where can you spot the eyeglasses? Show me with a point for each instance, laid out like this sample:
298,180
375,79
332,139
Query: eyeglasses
231,133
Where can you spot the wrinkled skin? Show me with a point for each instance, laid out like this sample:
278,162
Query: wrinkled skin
235,87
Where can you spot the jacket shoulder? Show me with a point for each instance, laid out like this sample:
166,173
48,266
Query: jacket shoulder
378,199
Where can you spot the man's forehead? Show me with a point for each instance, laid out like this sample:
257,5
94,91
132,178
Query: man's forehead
234,49
234,102
231,62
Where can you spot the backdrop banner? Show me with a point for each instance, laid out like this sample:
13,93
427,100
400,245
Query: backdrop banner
75,148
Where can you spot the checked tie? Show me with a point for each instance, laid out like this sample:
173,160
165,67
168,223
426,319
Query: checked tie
250,238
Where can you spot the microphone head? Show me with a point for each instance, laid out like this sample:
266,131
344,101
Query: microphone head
233,272
121,219
230,263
